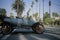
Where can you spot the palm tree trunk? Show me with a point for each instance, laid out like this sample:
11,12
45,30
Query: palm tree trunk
18,8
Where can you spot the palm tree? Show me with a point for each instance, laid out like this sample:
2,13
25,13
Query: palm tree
54,14
2,11
18,5
36,3
32,4
35,15
28,13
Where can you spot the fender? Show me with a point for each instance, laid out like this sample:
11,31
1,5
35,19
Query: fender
11,25
38,23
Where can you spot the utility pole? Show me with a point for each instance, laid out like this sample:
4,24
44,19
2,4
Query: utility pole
43,10
39,8
50,8
39,11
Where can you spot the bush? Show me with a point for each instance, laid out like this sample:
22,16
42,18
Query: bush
48,21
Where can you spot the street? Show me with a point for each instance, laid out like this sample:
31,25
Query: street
28,34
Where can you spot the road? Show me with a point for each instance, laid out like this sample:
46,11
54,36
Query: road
25,34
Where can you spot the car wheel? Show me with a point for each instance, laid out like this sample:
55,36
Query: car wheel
6,29
38,28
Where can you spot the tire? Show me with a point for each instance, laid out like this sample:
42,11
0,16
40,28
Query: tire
6,29
38,28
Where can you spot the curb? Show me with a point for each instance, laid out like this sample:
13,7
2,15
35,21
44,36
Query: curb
57,33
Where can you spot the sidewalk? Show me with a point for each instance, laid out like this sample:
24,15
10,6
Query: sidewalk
54,30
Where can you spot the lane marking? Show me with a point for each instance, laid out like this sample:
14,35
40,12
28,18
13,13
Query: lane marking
22,37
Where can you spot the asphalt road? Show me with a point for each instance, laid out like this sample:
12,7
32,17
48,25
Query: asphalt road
23,34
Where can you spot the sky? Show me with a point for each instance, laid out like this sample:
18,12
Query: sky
55,7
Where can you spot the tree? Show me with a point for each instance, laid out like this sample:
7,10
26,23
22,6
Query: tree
30,17
46,15
35,15
2,12
18,5
28,13
36,3
47,19
55,14
57,21
36,0
32,4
